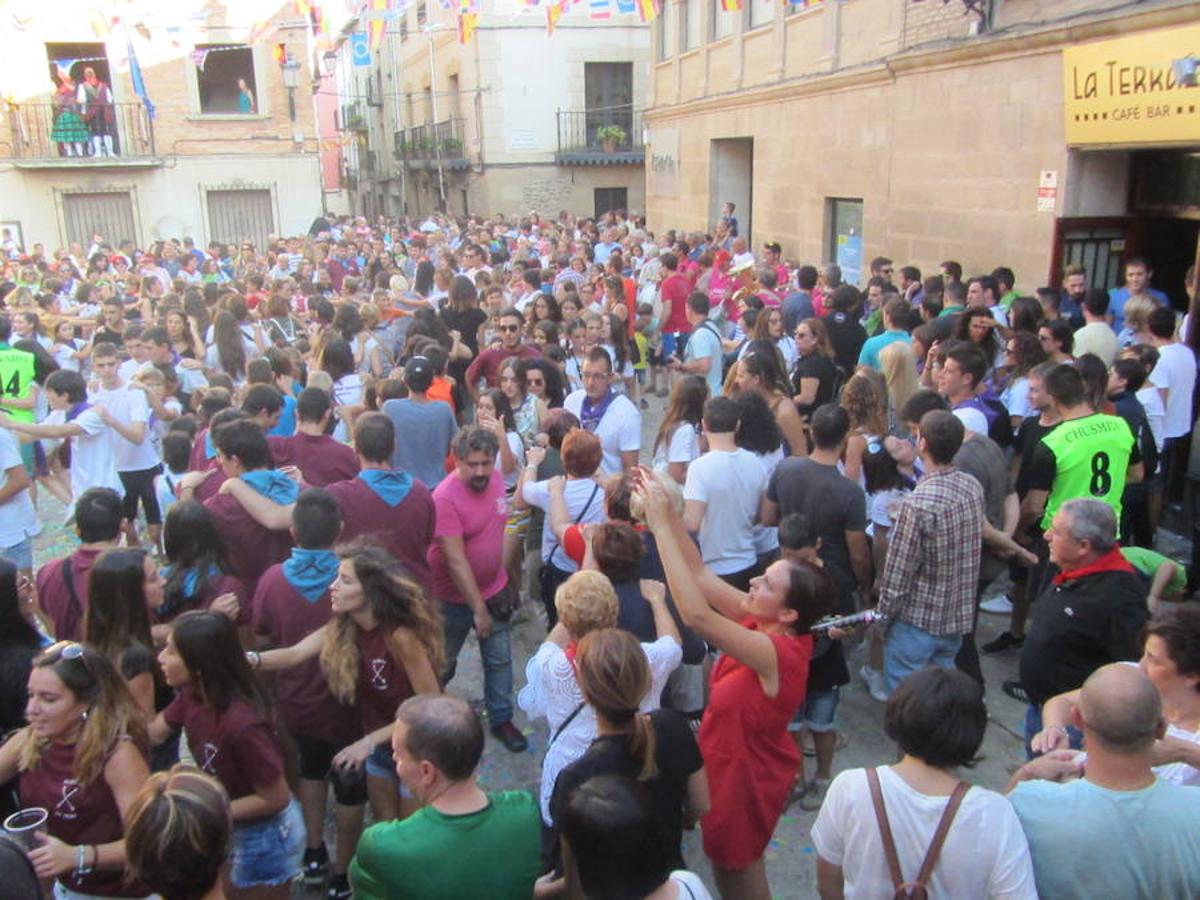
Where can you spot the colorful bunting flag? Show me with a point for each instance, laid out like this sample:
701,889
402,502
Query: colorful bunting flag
554,12
258,31
649,9
627,7
600,9
377,22
731,5
467,23
199,57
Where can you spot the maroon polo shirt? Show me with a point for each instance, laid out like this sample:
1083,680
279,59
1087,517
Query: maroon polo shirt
406,529
250,548
66,616
321,459
487,364
285,617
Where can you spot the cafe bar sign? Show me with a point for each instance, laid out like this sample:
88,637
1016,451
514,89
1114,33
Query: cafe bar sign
1130,90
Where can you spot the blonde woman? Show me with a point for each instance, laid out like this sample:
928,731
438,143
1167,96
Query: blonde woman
1137,320
586,602
383,645
82,745
899,367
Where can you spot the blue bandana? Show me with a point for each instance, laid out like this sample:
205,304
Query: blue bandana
310,572
275,486
210,449
391,485
189,585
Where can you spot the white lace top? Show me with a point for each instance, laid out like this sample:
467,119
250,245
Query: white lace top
552,691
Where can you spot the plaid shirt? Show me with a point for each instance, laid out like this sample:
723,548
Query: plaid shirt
934,548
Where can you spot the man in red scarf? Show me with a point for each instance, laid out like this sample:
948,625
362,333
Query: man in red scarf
1090,614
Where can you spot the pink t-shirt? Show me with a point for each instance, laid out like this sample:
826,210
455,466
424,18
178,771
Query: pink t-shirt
478,518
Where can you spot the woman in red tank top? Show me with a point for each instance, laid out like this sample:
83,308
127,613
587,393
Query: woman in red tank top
383,645
81,759
755,689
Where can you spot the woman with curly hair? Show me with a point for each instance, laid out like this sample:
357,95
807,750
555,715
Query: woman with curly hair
979,326
383,645
865,402
759,370
1022,352
85,742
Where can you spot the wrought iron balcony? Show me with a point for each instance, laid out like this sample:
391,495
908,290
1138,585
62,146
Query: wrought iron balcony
43,136
433,144
354,117
601,136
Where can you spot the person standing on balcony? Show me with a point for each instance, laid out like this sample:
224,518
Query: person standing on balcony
246,104
95,100
70,132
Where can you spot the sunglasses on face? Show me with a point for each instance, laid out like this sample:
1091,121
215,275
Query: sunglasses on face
510,328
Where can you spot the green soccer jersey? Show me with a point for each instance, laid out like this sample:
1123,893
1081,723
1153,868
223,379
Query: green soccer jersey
16,378
1081,458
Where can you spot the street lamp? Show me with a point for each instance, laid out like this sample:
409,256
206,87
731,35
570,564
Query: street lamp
291,79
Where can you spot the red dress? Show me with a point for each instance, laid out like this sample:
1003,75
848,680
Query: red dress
748,755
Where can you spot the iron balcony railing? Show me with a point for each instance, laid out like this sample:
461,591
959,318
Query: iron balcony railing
434,140
43,132
599,132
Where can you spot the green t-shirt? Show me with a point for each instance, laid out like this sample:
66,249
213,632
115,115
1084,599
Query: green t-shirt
16,377
1085,457
1147,563
494,853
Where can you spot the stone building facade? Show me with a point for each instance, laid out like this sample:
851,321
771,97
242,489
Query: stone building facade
214,163
923,131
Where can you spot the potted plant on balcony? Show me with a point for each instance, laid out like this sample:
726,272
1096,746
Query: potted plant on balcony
610,137
451,147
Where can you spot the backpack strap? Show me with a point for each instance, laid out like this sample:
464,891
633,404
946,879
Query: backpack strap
939,836
885,829
917,888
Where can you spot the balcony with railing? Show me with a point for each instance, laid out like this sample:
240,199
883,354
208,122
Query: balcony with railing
600,136
43,136
433,144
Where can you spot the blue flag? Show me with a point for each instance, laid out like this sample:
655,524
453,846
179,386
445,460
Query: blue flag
360,50
139,85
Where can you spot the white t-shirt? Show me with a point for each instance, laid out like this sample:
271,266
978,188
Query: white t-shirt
972,419
1176,372
518,452
1016,398
766,537
688,886
620,429
682,446
731,483
18,518
577,492
1156,413
347,391
129,405
93,453
985,853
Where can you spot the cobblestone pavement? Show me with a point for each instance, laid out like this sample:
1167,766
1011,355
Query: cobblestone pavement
791,860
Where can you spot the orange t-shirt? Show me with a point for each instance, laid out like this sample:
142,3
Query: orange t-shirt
441,390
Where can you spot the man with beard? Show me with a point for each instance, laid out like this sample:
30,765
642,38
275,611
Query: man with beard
467,565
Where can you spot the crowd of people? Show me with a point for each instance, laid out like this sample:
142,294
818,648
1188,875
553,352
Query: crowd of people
301,475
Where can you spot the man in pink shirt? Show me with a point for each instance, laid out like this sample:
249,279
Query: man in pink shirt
466,562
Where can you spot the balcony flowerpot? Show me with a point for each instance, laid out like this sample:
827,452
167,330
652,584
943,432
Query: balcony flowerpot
610,137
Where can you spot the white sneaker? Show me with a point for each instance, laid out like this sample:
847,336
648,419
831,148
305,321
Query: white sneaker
999,605
874,682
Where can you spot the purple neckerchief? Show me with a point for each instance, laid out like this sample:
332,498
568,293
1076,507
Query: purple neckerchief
589,415
78,410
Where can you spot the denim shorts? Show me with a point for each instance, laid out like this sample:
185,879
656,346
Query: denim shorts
268,852
818,713
381,765
20,555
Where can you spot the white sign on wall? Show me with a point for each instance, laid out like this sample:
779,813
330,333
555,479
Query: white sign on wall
664,162
521,139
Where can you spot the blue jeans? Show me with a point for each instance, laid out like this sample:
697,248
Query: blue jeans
269,851
457,621
908,649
